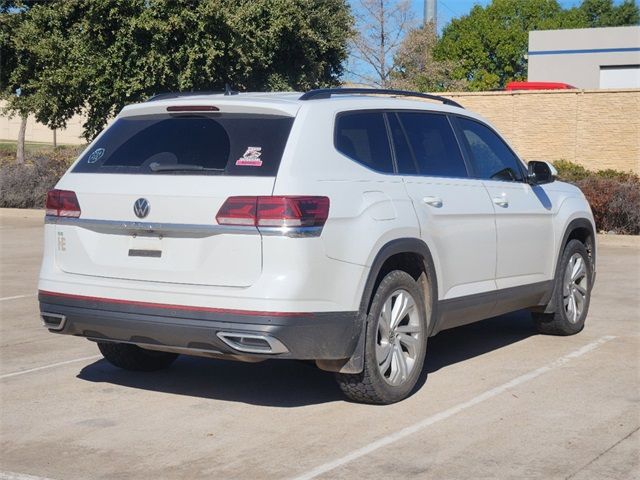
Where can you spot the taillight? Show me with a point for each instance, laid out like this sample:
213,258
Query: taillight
278,211
292,211
238,211
62,203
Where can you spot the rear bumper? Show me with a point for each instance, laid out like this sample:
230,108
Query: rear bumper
308,336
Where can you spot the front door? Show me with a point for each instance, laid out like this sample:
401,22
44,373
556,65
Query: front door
523,213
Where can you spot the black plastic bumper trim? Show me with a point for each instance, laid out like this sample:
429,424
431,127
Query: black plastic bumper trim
308,336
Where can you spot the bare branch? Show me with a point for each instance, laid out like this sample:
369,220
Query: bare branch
381,25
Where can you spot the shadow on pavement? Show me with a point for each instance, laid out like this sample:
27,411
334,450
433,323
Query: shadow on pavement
289,383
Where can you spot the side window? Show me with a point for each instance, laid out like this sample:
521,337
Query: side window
433,144
363,137
492,158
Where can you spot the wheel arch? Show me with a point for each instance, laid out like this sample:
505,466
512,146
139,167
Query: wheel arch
388,256
581,229
391,255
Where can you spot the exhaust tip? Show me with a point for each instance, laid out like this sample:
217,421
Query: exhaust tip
252,343
53,321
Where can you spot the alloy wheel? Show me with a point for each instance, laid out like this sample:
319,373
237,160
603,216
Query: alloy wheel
575,287
399,340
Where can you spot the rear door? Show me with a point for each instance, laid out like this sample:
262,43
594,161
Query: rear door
455,213
179,168
524,214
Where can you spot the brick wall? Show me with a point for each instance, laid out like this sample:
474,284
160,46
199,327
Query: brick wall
596,128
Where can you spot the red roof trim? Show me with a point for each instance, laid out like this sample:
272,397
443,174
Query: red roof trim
538,86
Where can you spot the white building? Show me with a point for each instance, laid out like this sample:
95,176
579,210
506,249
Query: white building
586,57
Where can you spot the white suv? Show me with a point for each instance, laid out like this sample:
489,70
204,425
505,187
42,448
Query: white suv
343,226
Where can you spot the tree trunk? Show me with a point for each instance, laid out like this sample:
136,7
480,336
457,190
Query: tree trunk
21,134
55,138
382,50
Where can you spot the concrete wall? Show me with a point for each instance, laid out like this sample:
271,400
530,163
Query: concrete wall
576,56
36,132
595,128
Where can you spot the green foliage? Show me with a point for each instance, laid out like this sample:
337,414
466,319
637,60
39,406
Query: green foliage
570,171
603,13
490,43
573,172
11,17
96,56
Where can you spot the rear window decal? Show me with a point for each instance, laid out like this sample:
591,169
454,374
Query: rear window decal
251,158
96,155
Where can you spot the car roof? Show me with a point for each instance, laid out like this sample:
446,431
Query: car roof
289,103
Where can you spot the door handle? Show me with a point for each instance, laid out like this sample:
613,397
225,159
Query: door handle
433,201
501,201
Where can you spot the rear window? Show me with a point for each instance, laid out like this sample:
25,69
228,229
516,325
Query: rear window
196,144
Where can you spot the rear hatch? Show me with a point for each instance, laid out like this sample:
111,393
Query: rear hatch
180,167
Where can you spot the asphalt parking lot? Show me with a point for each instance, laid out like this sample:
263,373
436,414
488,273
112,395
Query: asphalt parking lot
498,400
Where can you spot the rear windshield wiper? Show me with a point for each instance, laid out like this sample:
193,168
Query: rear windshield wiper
180,167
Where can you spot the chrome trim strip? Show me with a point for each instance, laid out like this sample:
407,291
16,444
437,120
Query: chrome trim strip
275,345
180,229
151,228
292,232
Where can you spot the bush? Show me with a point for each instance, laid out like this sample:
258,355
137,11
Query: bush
614,196
615,204
571,172
26,185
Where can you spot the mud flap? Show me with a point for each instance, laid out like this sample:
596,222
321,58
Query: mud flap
354,364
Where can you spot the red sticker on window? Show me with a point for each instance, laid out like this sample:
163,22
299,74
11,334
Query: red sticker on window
251,158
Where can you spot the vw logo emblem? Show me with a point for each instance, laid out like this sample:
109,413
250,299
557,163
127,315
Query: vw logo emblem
141,208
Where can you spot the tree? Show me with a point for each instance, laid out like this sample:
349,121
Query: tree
96,56
417,69
603,13
491,42
381,26
12,15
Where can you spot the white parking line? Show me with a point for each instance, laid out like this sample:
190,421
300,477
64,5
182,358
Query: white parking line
405,432
20,476
15,297
52,365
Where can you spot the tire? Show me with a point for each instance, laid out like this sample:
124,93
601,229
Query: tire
572,293
134,358
392,362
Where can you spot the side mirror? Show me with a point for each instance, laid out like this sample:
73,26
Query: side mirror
540,173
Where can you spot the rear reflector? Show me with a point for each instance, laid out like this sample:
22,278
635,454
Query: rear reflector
62,203
277,211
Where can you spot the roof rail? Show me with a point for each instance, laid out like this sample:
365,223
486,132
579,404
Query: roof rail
165,96
328,92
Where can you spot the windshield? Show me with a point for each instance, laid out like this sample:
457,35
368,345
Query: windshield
190,144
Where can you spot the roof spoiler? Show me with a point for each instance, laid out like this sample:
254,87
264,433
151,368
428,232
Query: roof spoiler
322,93
166,96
